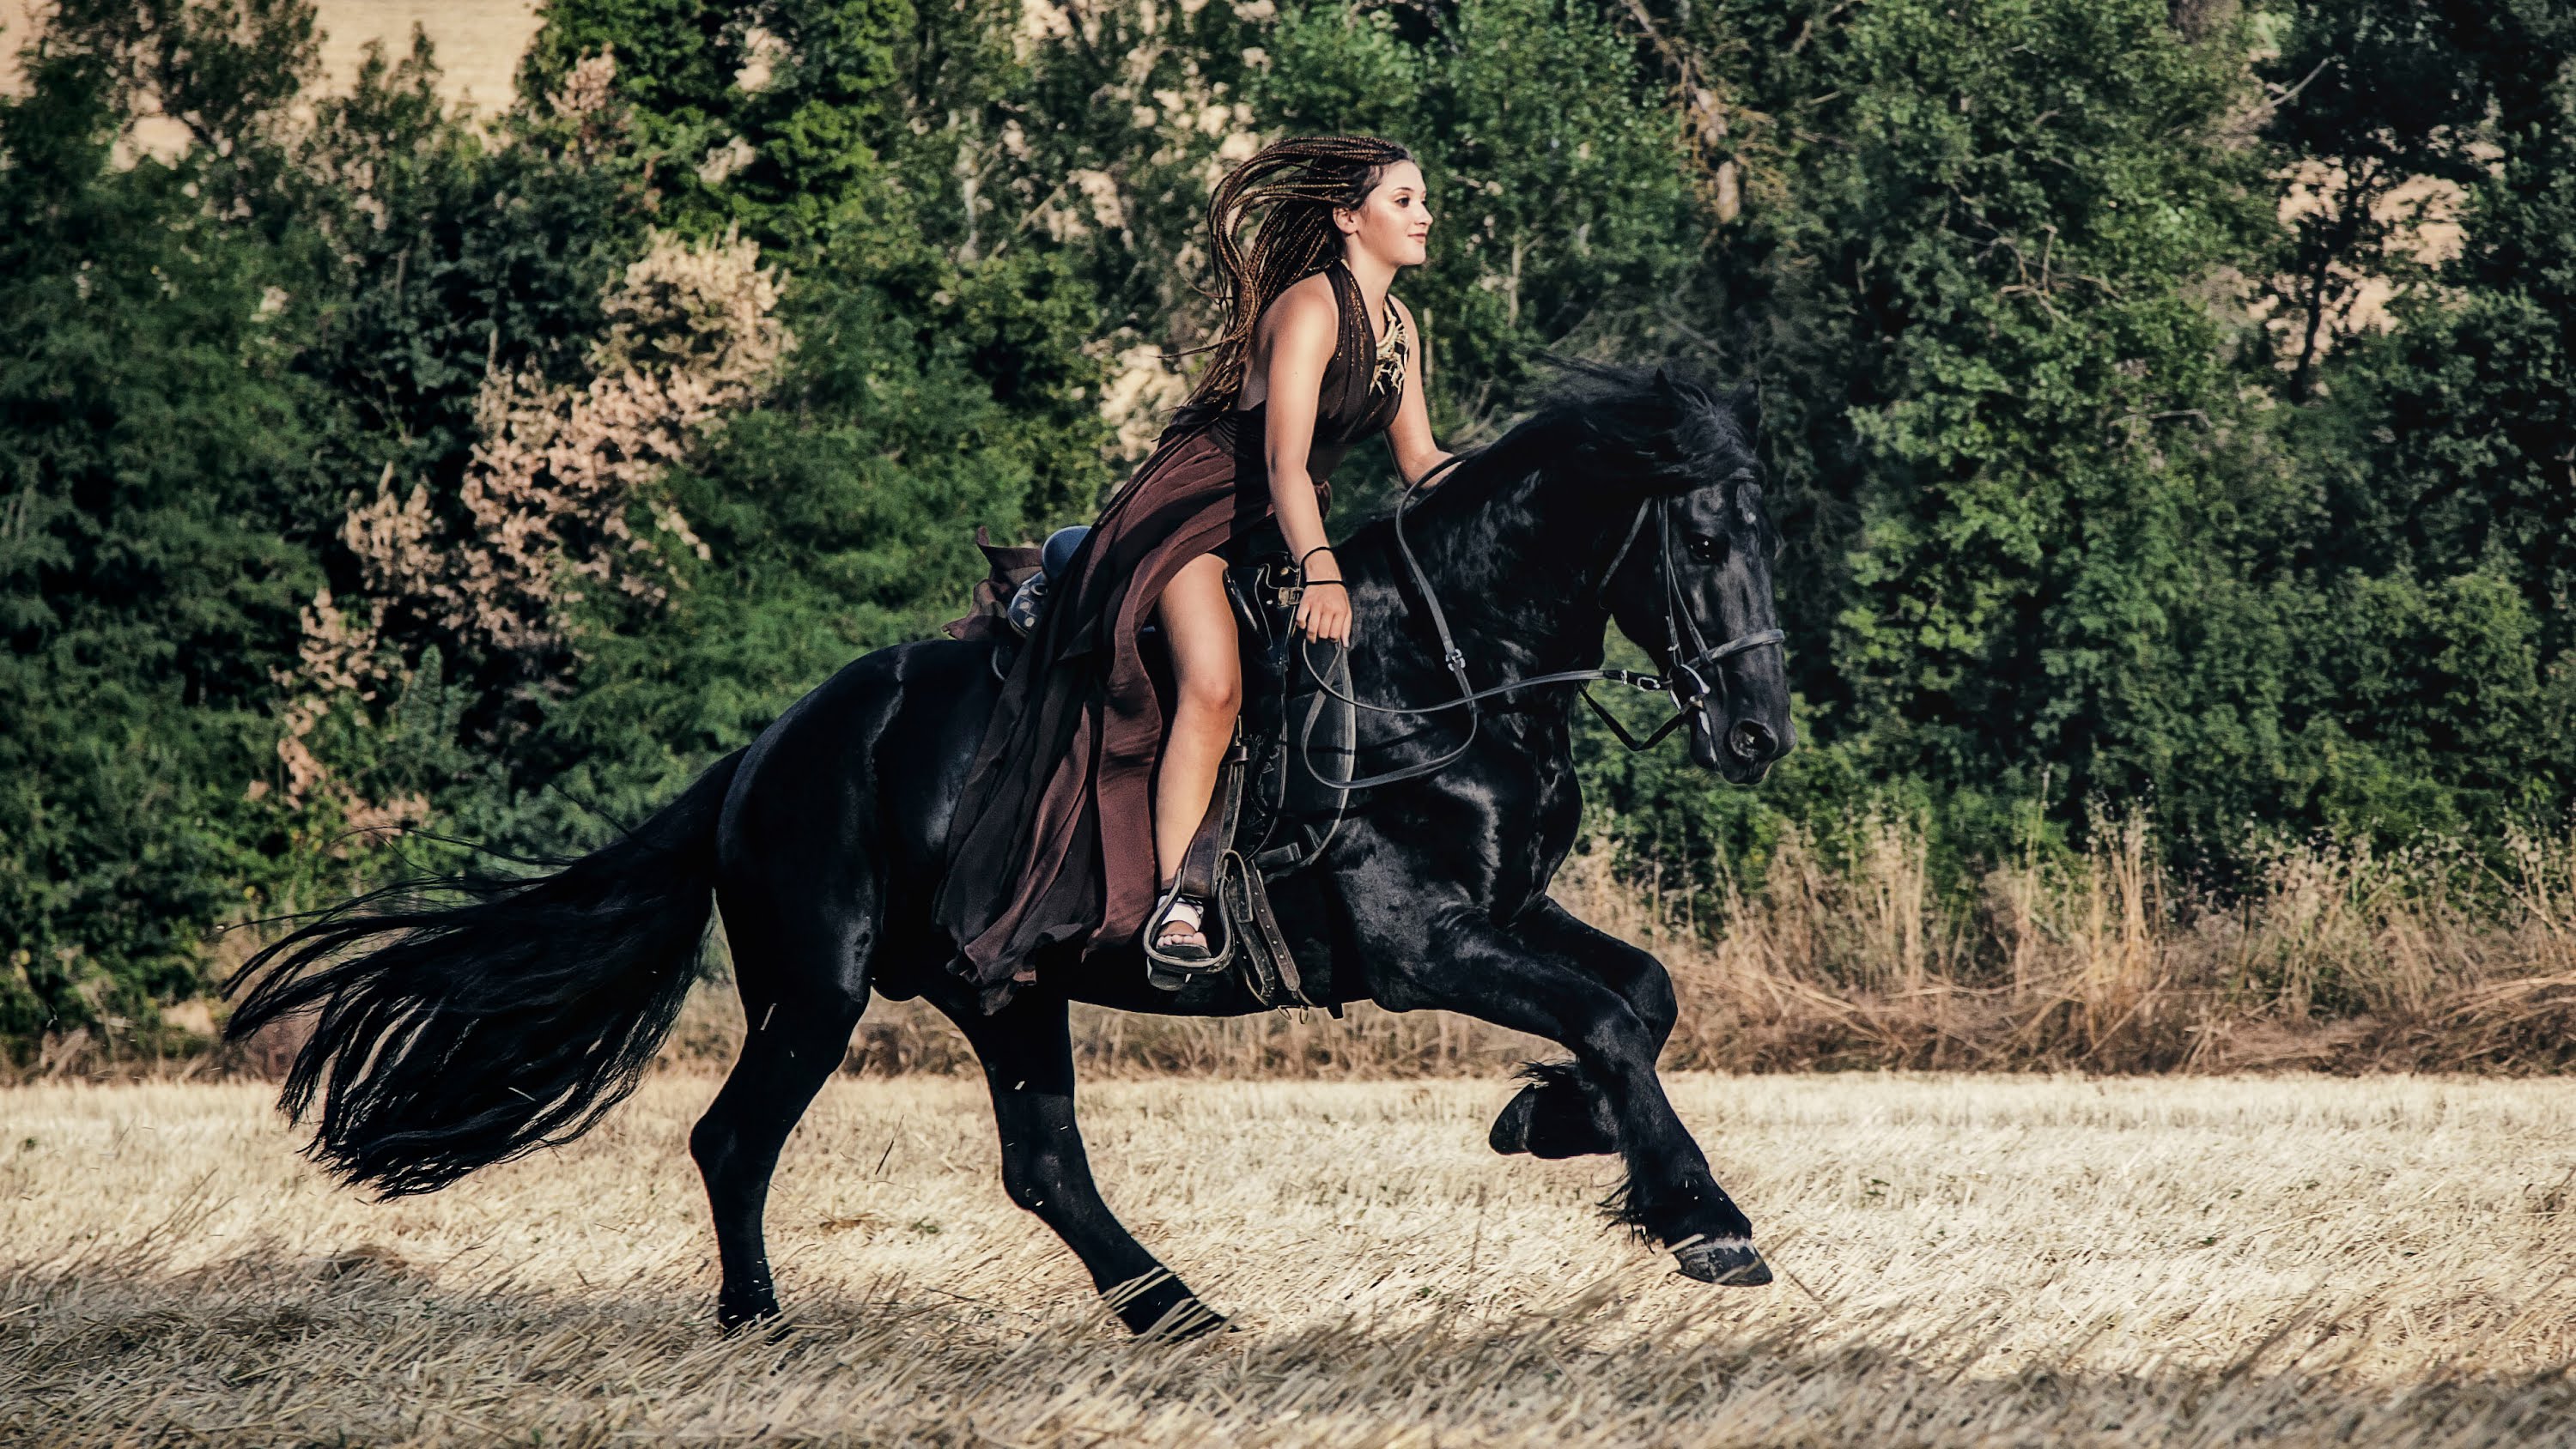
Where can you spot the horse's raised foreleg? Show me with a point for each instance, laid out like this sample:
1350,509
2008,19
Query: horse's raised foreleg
1027,1052
1457,960
1563,1112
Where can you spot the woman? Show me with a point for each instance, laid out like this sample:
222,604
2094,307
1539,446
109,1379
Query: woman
1065,825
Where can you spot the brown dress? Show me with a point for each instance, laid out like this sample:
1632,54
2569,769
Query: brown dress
1054,832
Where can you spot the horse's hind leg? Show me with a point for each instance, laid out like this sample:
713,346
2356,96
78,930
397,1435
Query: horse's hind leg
1027,1052
800,1003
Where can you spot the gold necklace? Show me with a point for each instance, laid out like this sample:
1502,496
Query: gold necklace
1390,357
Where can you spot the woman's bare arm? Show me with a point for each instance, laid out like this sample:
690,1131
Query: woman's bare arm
1304,326
1410,435
1303,330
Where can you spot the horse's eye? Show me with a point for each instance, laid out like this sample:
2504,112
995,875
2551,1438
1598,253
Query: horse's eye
1706,550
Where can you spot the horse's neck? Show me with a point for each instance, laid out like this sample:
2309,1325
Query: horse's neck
1517,570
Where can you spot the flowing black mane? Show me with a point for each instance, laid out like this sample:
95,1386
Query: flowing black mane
1658,427
1558,489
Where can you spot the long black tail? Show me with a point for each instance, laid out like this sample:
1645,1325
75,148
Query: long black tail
488,1017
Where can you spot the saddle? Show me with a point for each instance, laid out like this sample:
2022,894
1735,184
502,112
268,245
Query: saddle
1268,817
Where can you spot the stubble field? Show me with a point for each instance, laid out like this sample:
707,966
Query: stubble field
1975,1260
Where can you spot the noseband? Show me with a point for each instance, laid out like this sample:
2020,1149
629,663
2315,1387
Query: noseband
1684,681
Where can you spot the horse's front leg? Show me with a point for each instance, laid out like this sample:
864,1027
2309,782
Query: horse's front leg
1563,1112
1453,958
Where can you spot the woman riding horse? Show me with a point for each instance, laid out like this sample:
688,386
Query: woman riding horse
1055,837
465,1021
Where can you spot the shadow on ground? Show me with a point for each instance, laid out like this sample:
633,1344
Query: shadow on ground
265,1348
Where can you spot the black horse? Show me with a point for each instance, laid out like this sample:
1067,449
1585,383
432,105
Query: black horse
486,1017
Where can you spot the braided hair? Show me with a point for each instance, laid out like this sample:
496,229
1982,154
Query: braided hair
1297,184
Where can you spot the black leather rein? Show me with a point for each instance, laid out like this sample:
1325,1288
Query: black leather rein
1685,682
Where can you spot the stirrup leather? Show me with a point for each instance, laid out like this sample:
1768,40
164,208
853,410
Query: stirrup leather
1232,902
1198,881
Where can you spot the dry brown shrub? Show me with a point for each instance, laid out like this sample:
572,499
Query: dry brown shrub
562,501
2338,958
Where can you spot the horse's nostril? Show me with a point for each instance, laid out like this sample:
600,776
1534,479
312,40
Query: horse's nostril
1752,741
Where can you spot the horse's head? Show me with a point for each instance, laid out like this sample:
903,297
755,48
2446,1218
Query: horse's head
1693,586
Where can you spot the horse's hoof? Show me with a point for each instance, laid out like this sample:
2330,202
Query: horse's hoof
1550,1118
734,1322
1729,1262
1188,1319
738,1324
1161,1307
1512,1127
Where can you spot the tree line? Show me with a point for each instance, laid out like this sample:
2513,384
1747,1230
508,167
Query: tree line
2167,402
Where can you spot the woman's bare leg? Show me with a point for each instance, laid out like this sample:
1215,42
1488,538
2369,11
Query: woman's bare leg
1207,673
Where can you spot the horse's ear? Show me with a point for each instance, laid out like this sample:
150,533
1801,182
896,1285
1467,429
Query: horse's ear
1681,387
1745,404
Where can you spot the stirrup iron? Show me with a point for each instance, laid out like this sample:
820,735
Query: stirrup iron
1170,968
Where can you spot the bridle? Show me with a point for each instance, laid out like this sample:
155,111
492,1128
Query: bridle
1684,679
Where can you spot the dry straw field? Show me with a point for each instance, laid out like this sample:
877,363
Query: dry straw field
2355,1257
1976,1260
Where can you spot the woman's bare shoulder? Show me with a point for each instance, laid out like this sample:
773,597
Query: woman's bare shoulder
1305,307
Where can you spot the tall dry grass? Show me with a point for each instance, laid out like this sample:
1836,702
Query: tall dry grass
2335,957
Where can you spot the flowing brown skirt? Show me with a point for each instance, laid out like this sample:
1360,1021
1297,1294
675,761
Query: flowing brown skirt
1054,832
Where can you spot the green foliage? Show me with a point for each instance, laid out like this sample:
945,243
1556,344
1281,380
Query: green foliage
832,516
2101,490
934,382
2056,539
453,258
2438,669
1970,271
1564,220
156,449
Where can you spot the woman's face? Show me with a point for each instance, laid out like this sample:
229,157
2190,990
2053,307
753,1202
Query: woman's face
1394,223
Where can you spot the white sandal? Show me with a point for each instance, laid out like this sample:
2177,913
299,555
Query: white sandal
1170,964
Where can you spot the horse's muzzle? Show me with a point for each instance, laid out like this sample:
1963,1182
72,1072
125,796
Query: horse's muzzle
1752,742
1742,752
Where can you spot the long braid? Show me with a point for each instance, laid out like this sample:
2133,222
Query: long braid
1296,184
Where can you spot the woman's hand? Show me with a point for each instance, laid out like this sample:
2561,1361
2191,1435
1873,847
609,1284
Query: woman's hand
1324,608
